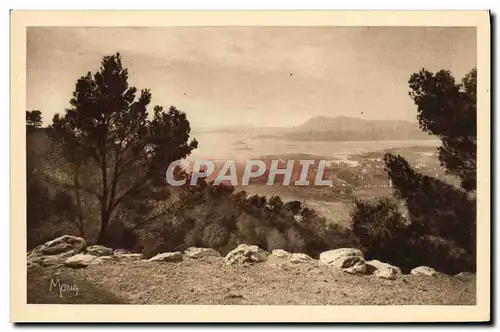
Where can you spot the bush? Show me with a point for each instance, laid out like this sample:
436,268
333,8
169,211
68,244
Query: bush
381,230
275,240
294,207
295,240
215,236
275,203
385,234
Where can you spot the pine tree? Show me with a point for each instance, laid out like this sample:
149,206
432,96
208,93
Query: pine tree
107,129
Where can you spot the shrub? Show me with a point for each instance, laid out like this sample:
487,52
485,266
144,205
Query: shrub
275,240
215,236
295,240
381,230
275,203
385,234
293,206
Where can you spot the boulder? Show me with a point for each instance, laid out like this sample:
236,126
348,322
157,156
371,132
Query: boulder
347,259
423,270
56,251
98,250
175,256
63,244
341,258
246,254
79,260
280,253
193,252
383,270
299,258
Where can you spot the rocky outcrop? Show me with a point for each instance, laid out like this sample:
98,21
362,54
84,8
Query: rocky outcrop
98,250
347,259
54,252
383,270
246,254
193,252
423,271
64,244
175,256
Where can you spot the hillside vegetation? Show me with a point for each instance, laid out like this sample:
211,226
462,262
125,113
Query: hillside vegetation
98,172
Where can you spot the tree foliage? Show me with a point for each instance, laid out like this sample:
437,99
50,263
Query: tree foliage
438,227
33,119
448,110
108,131
435,208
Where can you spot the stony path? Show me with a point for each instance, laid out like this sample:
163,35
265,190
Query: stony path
209,281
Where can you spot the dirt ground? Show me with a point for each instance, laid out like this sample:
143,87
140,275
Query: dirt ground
209,281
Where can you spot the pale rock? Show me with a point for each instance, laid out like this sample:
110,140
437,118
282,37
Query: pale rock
280,253
383,270
123,253
55,252
63,244
79,260
337,257
299,258
175,256
193,252
245,253
349,260
423,270
385,274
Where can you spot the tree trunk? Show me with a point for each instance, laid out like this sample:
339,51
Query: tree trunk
79,204
104,226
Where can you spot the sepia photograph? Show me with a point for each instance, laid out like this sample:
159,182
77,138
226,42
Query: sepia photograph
240,165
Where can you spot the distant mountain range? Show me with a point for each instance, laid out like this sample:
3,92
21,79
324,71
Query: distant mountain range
343,128
331,129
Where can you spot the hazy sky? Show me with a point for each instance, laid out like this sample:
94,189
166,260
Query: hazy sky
270,76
